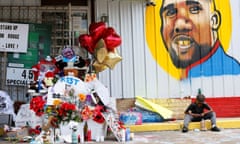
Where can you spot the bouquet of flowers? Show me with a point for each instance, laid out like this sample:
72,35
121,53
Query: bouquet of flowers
80,109
37,105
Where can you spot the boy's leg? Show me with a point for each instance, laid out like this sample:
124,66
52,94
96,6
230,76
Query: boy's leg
187,119
212,117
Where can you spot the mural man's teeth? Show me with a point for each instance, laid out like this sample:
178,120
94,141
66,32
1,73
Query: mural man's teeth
184,43
180,42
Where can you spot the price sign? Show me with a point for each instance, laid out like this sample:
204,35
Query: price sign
19,76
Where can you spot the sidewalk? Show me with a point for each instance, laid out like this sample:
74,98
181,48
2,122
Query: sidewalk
226,136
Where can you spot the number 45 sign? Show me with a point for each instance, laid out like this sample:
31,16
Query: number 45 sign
19,76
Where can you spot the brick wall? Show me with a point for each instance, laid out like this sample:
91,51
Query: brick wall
178,106
225,106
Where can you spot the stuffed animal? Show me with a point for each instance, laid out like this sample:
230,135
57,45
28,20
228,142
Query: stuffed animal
69,60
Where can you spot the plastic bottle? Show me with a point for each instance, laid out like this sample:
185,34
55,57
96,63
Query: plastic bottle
123,138
127,134
89,135
74,136
202,125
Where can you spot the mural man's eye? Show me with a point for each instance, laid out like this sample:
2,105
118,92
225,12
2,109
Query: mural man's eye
195,9
171,12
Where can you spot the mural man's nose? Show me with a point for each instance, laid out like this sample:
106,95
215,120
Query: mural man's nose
182,25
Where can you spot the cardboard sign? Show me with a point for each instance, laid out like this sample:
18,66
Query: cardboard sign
112,120
70,82
65,84
20,133
13,37
6,104
26,116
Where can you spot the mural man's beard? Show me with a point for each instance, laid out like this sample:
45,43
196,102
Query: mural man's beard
199,52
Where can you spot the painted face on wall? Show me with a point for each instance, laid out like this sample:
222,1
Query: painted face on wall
188,29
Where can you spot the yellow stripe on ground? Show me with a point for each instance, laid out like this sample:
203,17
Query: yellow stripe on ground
222,123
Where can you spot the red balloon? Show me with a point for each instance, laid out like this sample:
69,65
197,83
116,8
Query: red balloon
97,30
112,41
108,32
86,42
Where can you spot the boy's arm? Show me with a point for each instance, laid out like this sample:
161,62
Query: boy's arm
189,111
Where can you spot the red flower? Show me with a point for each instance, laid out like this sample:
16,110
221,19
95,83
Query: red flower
86,113
35,131
66,112
37,105
65,108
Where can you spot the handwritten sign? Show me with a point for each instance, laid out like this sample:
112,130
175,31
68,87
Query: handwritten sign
25,115
6,104
112,121
13,37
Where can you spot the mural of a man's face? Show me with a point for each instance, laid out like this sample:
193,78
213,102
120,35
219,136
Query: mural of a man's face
188,29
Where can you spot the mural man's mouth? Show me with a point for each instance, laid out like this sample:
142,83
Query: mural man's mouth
182,43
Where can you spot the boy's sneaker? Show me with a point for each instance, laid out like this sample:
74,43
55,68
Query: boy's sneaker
216,129
184,130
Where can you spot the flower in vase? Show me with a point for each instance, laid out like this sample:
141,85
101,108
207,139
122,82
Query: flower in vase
67,111
37,105
86,113
35,131
54,121
90,77
82,97
97,115
57,102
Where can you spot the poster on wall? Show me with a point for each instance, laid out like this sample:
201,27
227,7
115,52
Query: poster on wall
19,64
13,37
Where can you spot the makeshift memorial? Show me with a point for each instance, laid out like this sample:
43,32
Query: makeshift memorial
79,99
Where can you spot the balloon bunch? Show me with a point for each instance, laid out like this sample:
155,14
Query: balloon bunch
101,42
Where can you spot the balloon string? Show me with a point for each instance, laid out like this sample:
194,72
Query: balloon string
90,70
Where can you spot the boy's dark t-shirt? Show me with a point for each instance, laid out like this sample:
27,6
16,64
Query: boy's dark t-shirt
194,108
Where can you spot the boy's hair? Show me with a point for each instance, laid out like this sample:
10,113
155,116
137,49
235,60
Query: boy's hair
200,98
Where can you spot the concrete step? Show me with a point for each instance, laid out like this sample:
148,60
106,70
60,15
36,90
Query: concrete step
222,123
